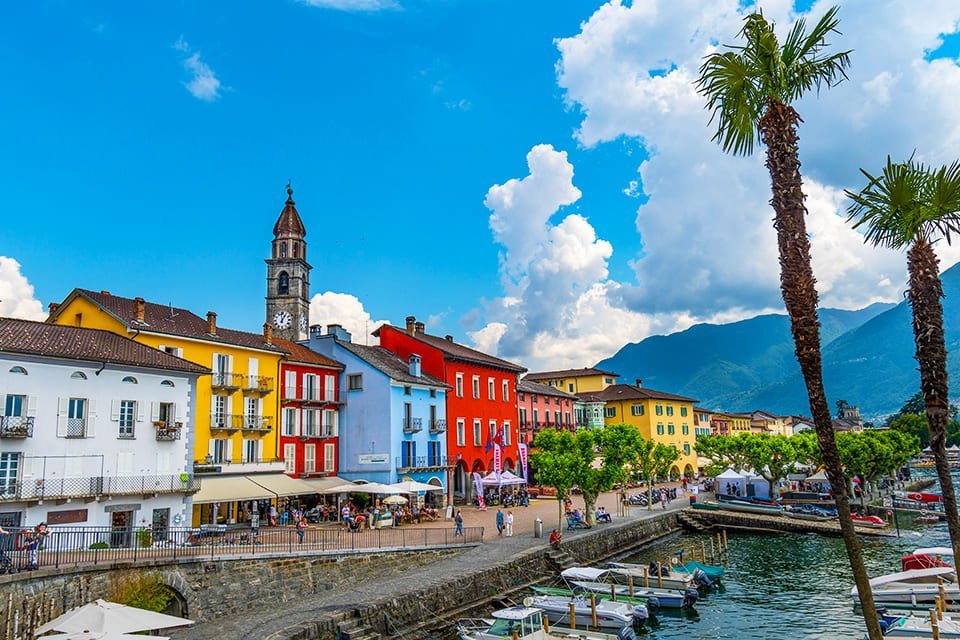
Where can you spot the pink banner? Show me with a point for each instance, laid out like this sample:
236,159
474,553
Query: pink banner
522,454
497,459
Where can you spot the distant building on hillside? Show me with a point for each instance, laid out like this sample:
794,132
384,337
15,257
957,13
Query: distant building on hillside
849,420
576,381
798,424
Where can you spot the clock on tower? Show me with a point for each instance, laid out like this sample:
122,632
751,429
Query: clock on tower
288,275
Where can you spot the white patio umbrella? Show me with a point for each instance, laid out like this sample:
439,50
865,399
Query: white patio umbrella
412,486
99,635
102,616
394,500
370,487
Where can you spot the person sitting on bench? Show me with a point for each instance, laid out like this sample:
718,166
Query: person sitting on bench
603,516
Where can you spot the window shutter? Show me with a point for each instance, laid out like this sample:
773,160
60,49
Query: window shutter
290,384
154,411
3,404
229,364
253,367
115,410
91,418
63,406
138,405
31,406
178,411
229,454
336,423
212,447
259,449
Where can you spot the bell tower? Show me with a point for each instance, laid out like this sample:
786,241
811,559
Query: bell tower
288,275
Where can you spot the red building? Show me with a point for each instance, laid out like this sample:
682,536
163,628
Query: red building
481,400
309,411
543,407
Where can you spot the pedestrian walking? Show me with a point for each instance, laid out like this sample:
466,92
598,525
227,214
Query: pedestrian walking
499,522
509,520
301,528
458,519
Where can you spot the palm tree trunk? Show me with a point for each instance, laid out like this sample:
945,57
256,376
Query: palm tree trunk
798,285
925,293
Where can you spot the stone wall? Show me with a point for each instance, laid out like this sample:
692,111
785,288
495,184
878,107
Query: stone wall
756,522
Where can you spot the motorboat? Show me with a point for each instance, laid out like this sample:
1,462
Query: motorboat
919,496
816,498
746,505
713,571
622,573
705,505
809,512
916,586
925,558
578,611
593,580
917,626
528,624
704,575
872,522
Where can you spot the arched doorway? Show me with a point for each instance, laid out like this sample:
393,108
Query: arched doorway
434,498
688,471
461,482
477,468
510,465
674,473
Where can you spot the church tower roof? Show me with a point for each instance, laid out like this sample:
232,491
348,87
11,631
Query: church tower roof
289,222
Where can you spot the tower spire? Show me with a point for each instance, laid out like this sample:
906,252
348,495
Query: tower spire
289,224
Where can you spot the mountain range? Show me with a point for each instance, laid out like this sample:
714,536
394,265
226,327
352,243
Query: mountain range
742,366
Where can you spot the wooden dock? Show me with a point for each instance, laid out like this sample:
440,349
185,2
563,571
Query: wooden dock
702,520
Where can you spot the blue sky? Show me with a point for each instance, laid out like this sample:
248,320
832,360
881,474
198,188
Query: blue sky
146,148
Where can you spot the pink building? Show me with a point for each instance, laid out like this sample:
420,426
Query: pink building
543,407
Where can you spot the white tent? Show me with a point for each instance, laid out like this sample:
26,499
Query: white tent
506,479
819,476
731,482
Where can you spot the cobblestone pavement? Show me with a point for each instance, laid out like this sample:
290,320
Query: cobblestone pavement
260,623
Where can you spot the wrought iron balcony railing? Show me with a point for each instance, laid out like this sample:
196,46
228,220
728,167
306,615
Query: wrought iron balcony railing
16,427
168,431
58,488
226,381
412,425
258,384
75,428
226,422
257,423
438,426
423,462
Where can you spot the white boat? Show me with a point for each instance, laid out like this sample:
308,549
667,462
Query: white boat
527,623
611,616
916,586
595,580
917,626
621,573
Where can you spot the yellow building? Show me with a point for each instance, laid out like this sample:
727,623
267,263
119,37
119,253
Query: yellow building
234,426
662,417
586,380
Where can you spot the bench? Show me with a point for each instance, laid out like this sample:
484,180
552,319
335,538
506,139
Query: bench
573,523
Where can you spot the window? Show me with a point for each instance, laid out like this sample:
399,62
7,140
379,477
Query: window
309,458
493,430
535,417
283,249
476,387
686,449
329,457
76,426
331,423
9,473
520,397
683,411
636,410
685,430
167,383
670,429
433,454
310,387
669,409
289,423
506,433
15,406
408,453
523,416
355,382
610,412
660,428
78,375
127,417
476,432
290,458
283,281
251,450
173,351
461,435
407,391
505,391
556,401
659,409
608,380
433,393
219,418
129,380
330,388
18,370
407,417
459,385
310,422
570,387
219,450
567,418
491,389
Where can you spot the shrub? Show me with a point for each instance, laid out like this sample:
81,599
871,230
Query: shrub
144,538
144,590
100,545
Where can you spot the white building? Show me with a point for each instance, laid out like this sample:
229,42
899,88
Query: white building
95,429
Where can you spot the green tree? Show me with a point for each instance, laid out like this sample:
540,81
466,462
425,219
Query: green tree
771,457
653,460
555,459
911,206
914,425
723,453
751,89
602,456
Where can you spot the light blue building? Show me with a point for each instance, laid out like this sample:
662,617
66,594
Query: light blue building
393,421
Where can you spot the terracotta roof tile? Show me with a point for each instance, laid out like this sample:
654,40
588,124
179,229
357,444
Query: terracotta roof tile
391,364
630,392
77,343
301,354
456,351
528,386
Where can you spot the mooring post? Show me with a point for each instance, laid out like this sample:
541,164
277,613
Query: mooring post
593,610
630,584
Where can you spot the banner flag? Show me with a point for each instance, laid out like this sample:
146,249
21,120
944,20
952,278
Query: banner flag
522,454
497,459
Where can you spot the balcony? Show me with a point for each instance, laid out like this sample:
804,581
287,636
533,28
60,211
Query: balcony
257,424
423,463
16,427
96,486
311,395
168,431
226,422
75,428
261,385
412,425
438,426
226,382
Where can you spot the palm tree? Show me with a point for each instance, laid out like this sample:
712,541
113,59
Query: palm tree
910,205
750,90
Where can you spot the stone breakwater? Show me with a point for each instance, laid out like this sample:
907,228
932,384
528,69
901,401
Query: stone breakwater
701,520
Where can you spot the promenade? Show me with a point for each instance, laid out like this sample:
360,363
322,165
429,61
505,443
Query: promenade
262,622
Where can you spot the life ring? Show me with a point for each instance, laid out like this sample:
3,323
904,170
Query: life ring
18,542
674,561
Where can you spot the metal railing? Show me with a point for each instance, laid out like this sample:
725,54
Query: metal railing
438,426
77,546
168,431
16,427
412,425
257,423
226,381
258,384
93,486
423,462
229,422
302,393
75,428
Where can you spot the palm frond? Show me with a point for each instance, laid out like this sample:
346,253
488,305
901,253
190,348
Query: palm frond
887,204
941,212
727,80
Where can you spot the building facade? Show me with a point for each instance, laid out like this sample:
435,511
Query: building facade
543,407
309,413
702,422
288,276
393,410
661,417
95,430
575,381
480,405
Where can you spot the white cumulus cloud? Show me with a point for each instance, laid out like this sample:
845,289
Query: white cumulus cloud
16,293
347,310
204,83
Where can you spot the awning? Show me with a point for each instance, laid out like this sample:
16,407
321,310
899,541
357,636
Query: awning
282,485
320,485
229,489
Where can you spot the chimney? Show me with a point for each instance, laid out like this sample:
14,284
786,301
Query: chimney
211,323
418,327
448,338
411,324
139,310
104,292
639,383
53,306
339,333
414,363
268,333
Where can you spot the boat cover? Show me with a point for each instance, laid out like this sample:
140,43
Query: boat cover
934,551
583,573
913,574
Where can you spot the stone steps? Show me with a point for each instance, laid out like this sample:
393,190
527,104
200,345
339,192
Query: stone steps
354,629
561,558
691,522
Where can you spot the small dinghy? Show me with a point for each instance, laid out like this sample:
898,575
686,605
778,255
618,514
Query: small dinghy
873,522
577,612
527,623
917,586
916,626
809,512
659,576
